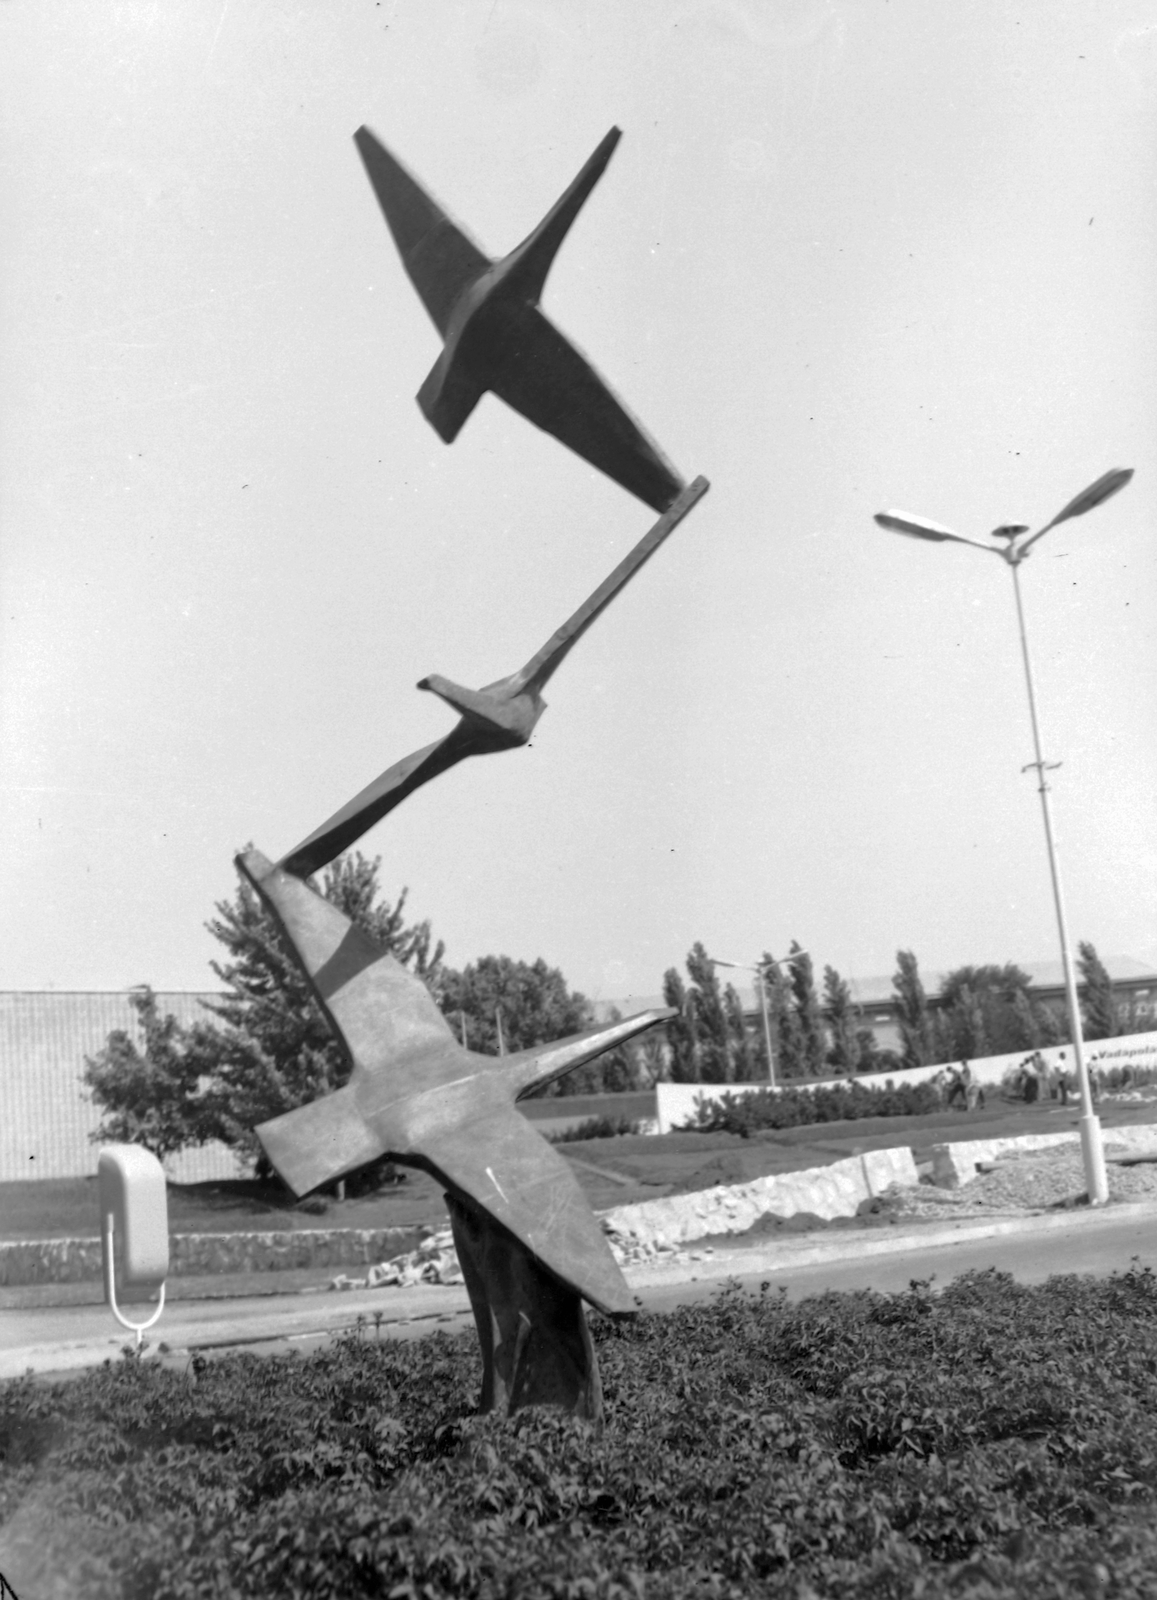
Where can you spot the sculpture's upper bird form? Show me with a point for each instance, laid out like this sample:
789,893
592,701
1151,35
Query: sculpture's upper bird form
499,717
417,1096
497,339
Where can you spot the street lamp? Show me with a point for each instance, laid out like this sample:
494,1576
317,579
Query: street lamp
761,973
1013,553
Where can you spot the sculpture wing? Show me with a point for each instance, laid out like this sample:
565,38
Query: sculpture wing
515,1175
438,257
544,378
386,1017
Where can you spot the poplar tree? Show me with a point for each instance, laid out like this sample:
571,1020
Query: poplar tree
813,1043
1098,1005
682,1034
843,1018
912,1011
785,1026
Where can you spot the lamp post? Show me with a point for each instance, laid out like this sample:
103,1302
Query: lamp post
760,972
1013,553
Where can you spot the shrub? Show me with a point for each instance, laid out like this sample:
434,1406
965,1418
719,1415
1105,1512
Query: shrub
596,1128
794,1108
990,1440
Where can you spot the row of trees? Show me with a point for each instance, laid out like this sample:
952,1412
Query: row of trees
979,1011
265,1047
710,1042
989,1011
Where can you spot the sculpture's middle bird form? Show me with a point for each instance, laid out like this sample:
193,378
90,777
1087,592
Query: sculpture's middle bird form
497,339
500,716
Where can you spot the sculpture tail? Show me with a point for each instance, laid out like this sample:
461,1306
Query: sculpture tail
319,1142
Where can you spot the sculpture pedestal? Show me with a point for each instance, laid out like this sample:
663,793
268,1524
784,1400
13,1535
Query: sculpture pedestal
536,1347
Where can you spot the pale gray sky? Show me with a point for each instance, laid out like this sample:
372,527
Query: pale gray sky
846,257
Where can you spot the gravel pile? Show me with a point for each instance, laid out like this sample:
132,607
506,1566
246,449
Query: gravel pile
1021,1183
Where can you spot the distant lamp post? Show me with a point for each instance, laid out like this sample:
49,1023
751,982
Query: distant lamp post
1014,553
761,973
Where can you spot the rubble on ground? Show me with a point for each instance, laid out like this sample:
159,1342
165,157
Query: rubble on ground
435,1260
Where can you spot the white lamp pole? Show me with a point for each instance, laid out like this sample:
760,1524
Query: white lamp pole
1013,553
760,972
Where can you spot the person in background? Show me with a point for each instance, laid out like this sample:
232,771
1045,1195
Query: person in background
1063,1079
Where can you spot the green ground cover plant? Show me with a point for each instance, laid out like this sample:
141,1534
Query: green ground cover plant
596,1128
992,1440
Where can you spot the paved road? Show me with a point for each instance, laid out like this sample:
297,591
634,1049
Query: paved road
1032,1249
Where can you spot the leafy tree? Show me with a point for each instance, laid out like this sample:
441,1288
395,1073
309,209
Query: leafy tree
845,1050
276,1051
155,1095
745,1052
1099,1007
960,1028
648,1060
708,1040
807,1008
270,1048
712,1025
532,1004
980,1013
1024,1025
912,1011
785,1025
682,1033
871,1056
533,1000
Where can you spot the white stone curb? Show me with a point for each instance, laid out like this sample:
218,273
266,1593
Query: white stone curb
832,1191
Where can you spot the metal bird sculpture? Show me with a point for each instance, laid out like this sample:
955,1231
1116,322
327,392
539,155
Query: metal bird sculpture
497,339
417,1096
501,716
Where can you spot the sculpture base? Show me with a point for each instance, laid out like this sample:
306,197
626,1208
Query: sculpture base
536,1346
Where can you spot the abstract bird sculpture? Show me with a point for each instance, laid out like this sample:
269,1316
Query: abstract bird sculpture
497,339
417,1096
498,717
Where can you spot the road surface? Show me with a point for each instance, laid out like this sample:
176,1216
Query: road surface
69,1339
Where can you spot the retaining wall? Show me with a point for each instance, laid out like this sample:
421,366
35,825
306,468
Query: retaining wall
833,1191
196,1254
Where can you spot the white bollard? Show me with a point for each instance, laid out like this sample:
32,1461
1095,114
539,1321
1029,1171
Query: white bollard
134,1209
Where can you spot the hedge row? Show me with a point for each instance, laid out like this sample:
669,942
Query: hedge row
993,1440
794,1108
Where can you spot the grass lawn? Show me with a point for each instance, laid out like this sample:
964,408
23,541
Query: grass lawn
617,1171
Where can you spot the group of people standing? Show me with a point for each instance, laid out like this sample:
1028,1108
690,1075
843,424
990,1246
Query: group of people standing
1035,1079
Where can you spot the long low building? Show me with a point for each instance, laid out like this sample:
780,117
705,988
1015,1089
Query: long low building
46,1115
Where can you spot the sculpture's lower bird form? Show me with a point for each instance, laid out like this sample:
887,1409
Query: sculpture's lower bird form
496,337
501,716
417,1096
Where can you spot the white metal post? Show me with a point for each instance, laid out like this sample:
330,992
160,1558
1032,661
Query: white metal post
1092,1146
762,975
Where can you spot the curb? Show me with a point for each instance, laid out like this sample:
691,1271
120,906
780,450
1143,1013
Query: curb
785,1254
